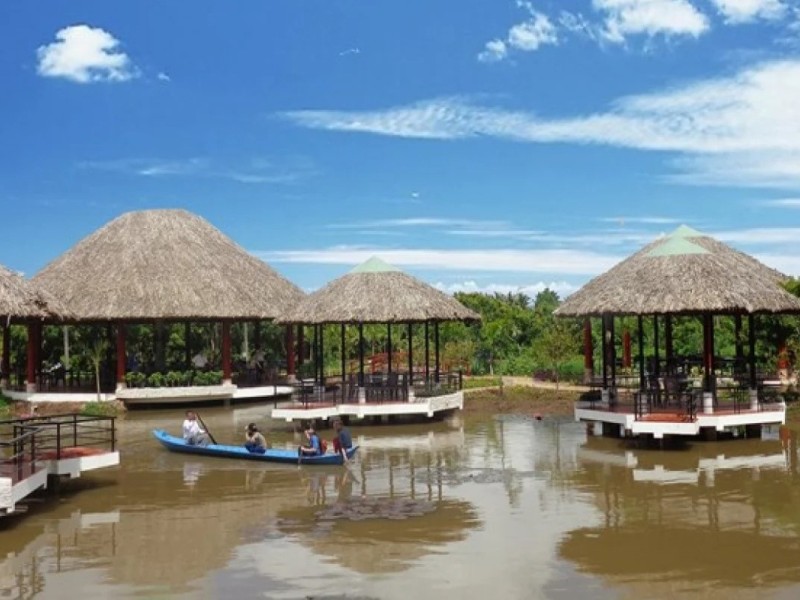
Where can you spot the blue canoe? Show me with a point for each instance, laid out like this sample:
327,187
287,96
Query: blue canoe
176,444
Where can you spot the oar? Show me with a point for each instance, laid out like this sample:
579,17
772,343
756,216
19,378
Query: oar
199,418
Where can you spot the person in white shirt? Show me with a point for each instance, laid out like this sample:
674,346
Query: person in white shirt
193,434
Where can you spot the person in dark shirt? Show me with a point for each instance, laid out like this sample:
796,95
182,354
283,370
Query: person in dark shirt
342,440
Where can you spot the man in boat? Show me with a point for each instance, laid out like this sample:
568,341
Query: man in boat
314,447
256,443
342,441
193,434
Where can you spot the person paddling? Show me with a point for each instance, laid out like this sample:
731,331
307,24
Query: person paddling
193,434
342,441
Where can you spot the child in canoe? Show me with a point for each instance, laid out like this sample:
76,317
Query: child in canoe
315,447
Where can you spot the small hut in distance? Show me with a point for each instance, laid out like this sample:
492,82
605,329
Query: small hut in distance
378,293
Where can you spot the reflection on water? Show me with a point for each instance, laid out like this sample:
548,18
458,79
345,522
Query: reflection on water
508,507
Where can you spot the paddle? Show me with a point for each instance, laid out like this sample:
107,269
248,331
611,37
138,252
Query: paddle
210,435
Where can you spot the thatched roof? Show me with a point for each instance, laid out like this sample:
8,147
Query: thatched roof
165,264
686,272
21,299
375,292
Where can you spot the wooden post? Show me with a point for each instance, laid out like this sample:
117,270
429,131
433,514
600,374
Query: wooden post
290,354
588,351
315,354
360,355
708,352
389,347
321,355
301,345
668,349
121,363
30,375
604,349
656,357
642,383
427,354
410,355
343,352
226,352
613,352
751,337
436,350
5,365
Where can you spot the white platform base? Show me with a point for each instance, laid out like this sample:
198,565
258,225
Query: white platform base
154,395
421,406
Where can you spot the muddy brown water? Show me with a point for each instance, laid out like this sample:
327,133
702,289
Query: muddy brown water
504,507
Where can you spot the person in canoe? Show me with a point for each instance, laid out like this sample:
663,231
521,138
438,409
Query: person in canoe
193,434
342,441
255,443
315,447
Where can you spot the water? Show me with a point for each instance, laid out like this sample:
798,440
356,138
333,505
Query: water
501,508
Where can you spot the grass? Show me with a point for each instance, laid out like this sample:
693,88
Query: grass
470,383
100,409
520,400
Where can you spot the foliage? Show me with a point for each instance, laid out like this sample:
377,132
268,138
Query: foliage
100,409
554,347
156,379
5,406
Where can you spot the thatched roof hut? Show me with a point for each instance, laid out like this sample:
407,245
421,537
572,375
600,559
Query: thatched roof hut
376,292
165,264
686,272
21,299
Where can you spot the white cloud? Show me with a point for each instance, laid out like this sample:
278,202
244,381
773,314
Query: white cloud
163,77
495,50
562,288
783,203
527,36
254,171
747,11
785,263
85,54
641,220
414,222
760,236
650,17
743,129
574,262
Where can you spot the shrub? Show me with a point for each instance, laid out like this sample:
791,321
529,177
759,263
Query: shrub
175,378
100,409
135,379
155,380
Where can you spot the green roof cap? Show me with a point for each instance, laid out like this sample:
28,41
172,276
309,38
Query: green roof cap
684,231
374,265
677,246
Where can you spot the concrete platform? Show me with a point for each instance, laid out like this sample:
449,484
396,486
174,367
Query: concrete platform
12,493
660,424
166,395
420,406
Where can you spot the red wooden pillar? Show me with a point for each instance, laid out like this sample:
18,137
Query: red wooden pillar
30,376
226,351
626,349
588,351
290,352
708,352
5,366
121,356
301,345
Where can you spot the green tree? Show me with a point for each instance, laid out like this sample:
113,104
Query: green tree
555,346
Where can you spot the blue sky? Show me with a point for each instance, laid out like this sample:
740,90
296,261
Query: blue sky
479,144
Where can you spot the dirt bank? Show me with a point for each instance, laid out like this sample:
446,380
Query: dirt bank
520,400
